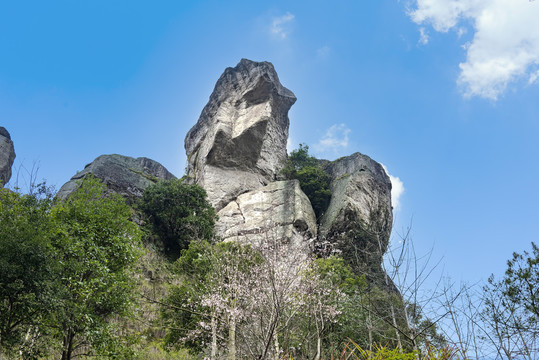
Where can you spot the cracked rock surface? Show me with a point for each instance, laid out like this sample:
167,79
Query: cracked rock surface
239,141
279,210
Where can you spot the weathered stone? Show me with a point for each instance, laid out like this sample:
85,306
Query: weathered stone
278,211
236,152
359,217
239,141
124,175
7,156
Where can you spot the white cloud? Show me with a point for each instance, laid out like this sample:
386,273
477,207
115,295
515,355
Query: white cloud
335,139
423,36
505,44
534,77
280,25
397,188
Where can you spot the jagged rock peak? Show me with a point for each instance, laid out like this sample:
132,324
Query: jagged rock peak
7,156
122,174
239,141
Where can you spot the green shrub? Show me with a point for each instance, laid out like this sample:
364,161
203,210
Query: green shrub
313,180
27,274
178,213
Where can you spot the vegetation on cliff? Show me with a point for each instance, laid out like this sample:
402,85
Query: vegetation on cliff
178,212
75,283
312,178
65,271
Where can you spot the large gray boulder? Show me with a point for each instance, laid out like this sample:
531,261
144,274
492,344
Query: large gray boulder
359,218
279,211
239,141
124,175
7,156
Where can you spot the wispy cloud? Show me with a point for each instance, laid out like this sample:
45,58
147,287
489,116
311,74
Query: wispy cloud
423,36
334,140
505,44
397,189
534,77
280,26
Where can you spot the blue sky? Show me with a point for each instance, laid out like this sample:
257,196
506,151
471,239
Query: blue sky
442,92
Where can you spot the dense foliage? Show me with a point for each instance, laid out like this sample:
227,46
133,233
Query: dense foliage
313,180
215,282
250,302
178,213
65,271
27,269
96,245
70,273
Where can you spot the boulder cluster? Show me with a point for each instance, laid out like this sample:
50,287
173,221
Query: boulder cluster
236,152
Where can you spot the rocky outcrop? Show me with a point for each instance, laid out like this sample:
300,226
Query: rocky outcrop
239,141
358,220
7,156
124,175
236,152
278,211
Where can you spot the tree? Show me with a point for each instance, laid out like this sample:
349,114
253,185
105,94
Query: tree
522,283
251,302
313,180
328,285
97,246
179,213
511,307
27,269
212,299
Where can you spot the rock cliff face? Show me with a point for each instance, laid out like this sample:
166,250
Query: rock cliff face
7,156
236,152
239,141
122,174
358,220
279,210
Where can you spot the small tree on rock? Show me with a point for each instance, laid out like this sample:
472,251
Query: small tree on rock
313,180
